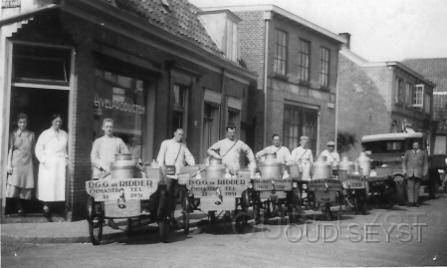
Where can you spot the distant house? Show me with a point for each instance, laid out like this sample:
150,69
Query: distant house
435,69
381,97
296,62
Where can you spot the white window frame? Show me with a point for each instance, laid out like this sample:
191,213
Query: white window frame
418,96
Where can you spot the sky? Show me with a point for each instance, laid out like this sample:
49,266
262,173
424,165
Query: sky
382,30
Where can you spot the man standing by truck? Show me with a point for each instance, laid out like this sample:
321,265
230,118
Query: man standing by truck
415,168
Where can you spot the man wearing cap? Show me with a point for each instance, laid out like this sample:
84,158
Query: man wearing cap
303,156
330,156
281,153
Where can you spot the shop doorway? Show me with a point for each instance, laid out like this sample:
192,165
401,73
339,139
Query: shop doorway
38,104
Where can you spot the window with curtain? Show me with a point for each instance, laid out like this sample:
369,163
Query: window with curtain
408,93
304,60
418,96
399,93
211,123
280,57
180,107
299,121
324,67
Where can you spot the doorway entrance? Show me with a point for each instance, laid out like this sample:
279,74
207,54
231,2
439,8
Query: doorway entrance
38,104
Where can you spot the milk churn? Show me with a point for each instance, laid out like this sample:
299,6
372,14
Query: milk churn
123,167
270,168
344,168
364,164
321,170
215,170
294,170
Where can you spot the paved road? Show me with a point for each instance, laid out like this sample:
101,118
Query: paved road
399,237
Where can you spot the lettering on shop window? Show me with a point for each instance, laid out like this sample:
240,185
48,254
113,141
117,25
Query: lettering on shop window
118,104
11,3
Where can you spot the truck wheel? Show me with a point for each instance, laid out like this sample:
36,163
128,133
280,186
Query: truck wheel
400,189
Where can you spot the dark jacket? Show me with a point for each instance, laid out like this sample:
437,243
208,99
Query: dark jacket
415,164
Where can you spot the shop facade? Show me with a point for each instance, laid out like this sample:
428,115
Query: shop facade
90,60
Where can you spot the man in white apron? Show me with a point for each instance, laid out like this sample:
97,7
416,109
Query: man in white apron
104,149
282,153
303,156
230,149
172,157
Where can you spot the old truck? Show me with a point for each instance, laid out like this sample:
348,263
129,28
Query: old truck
386,176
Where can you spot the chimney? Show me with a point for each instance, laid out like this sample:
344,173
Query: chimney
346,36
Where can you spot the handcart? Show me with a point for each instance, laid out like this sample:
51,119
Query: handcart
324,194
129,198
277,197
215,197
354,189
382,190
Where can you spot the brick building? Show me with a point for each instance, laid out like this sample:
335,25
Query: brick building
150,65
381,97
296,63
435,69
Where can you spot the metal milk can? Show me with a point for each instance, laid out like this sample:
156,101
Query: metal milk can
270,168
364,164
345,168
123,167
215,170
321,170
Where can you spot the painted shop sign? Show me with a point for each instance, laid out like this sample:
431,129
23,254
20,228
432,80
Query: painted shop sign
269,185
225,187
118,104
11,3
120,190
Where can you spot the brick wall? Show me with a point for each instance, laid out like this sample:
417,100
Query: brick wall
363,108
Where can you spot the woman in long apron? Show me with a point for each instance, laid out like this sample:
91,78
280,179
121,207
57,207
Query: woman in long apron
20,181
51,150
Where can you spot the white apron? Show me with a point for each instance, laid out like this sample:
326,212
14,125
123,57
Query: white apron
51,150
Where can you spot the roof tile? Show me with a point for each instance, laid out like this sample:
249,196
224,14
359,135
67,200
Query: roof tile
179,18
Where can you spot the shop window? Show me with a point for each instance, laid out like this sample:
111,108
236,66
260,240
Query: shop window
304,60
234,117
299,121
121,98
211,123
28,62
180,106
280,57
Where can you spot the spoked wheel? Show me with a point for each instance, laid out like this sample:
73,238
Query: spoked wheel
294,214
185,222
185,211
240,221
327,213
163,216
212,217
163,228
95,221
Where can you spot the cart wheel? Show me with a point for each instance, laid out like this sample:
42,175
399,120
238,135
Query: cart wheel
211,217
294,214
256,213
327,213
163,228
129,226
240,222
185,223
95,221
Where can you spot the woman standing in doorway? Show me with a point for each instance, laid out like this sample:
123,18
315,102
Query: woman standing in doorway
51,150
20,164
